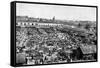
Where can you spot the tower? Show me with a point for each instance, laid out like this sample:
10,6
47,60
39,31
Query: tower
53,18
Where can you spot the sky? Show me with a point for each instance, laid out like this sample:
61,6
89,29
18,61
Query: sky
60,12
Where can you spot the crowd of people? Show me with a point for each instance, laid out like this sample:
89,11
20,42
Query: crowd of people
49,45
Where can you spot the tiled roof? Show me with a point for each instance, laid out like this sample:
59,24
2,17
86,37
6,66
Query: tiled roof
88,49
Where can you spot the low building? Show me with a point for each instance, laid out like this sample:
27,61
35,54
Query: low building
84,53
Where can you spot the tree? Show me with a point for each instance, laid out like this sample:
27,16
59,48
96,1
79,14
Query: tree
79,25
87,26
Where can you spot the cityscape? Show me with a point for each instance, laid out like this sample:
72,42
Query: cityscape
49,41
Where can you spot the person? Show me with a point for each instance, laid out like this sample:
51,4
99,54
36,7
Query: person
41,61
36,62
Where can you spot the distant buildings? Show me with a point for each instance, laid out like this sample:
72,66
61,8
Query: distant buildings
26,24
25,21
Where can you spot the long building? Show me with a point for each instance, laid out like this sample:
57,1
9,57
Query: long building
30,24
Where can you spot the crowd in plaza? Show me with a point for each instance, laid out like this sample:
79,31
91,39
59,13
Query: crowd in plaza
51,45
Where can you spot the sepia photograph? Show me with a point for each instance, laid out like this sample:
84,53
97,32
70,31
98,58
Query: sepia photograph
54,34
